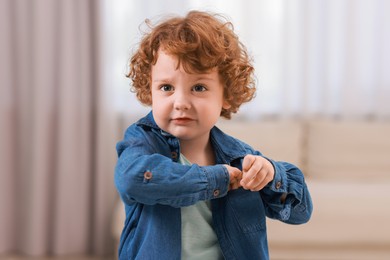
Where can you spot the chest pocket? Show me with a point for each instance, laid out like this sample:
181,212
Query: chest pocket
247,209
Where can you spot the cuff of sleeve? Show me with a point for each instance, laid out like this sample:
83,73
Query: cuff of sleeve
218,181
279,183
289,184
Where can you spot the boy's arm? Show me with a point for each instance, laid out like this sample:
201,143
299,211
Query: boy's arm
144,176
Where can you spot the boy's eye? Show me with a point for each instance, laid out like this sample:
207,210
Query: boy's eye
199,88
166,88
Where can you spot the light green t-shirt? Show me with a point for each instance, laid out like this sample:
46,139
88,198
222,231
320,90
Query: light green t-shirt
199,240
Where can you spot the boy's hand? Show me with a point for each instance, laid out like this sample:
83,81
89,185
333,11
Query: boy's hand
234,176
257,172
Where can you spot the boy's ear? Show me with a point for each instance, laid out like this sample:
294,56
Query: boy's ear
226,105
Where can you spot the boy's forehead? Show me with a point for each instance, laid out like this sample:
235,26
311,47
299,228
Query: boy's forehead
166,69
176,62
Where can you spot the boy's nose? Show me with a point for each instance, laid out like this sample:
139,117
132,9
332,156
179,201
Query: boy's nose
182,102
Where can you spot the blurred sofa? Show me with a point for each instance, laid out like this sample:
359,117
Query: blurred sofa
347,168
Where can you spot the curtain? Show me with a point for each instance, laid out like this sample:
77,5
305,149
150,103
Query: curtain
57,149
313,58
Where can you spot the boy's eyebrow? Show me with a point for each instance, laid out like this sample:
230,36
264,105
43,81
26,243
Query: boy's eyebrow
204,77
162,80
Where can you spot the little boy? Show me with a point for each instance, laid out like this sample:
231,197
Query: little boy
191,191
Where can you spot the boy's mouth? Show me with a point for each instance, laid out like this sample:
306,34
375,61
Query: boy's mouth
182,120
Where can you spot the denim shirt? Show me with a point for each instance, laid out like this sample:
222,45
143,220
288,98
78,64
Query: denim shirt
154,186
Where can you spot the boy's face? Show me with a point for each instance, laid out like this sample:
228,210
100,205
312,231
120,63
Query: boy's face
185,105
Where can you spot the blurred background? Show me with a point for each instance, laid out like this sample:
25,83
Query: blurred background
323,102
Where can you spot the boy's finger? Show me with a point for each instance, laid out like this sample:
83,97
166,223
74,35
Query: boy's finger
250,174
234,172
247,162
238,173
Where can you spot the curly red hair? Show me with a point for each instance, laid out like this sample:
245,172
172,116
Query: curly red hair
201,41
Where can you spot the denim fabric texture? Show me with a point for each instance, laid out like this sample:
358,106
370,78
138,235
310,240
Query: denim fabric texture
154,186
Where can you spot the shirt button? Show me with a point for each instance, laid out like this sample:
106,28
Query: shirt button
216,193
148,175
174,155
278,185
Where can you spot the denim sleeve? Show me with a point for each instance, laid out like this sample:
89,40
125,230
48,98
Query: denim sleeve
145,176
288,183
